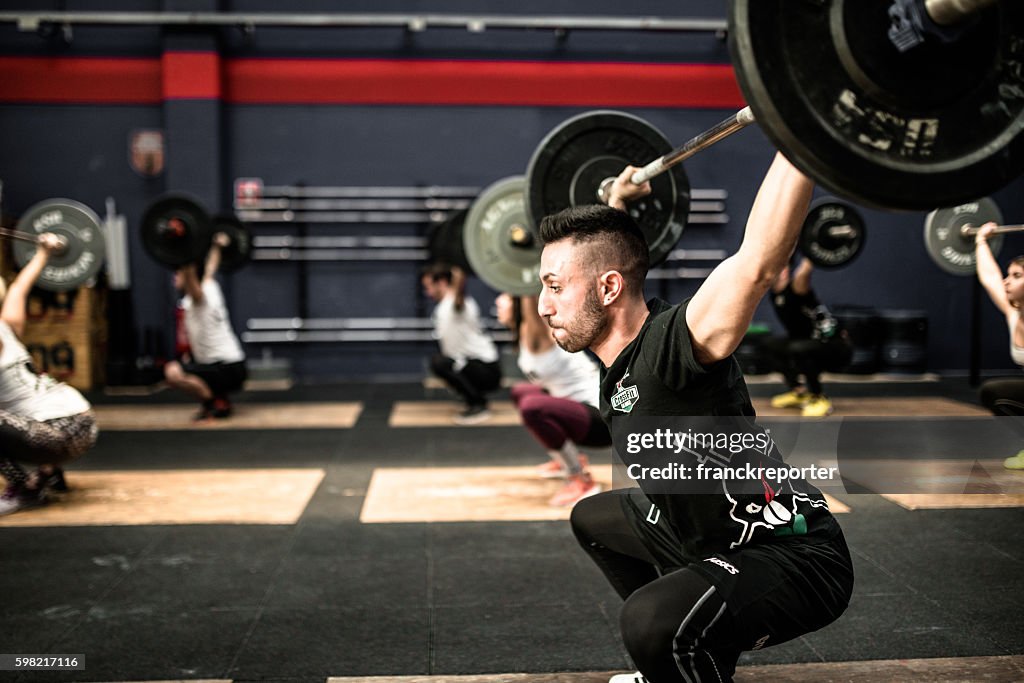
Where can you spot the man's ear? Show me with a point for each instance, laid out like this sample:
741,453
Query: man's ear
611,285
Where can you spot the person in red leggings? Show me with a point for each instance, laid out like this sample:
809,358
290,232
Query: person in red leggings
558,405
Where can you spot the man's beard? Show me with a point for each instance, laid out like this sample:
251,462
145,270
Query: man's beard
588,325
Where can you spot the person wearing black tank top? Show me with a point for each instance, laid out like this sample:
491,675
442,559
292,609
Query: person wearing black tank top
814,342
704,574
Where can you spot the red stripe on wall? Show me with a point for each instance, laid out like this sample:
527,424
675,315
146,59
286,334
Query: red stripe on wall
191,75
89,80
362,81
482,83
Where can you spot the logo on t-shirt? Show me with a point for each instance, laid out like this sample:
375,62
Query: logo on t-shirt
626,397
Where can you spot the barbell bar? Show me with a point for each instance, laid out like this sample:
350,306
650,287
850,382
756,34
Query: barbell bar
15,234
948,12
971,231
738,121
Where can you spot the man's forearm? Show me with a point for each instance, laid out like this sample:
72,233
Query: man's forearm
776,218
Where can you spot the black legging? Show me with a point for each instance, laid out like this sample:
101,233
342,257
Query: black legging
1005,397
472,382
688,619
808,358
654,604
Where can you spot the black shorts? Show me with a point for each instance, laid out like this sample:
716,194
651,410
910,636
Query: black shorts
774,592
222,378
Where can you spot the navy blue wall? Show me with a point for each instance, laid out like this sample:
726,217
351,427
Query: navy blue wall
80,151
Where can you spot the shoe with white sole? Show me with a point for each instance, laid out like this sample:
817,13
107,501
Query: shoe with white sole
628,678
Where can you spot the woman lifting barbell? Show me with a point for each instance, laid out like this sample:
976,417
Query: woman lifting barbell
42,421
1004,396
558,404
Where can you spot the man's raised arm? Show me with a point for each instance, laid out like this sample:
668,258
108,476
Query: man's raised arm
720,312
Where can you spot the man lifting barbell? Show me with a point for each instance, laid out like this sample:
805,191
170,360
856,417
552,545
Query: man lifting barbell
704,576
215,365
42,421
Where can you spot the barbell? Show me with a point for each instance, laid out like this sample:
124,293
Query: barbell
909,105
501,246
575,163
903,104
832,234
949,234
177,230
78,227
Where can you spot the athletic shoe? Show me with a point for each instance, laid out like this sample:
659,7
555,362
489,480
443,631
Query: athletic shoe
817,406
221,408
16,498
628,678
472,415
54,481
576,489
790,399
554,469
1015,462
205,412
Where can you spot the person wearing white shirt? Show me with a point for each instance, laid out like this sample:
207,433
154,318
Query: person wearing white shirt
42,421
558,405
215,366
468,358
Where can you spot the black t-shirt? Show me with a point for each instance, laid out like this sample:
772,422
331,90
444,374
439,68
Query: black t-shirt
803,316
795,311
656,375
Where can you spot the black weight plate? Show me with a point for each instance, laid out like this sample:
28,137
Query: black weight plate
176,230
937,125
569,165
86,247
947,246
445,242
833,234
236,255
501,245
